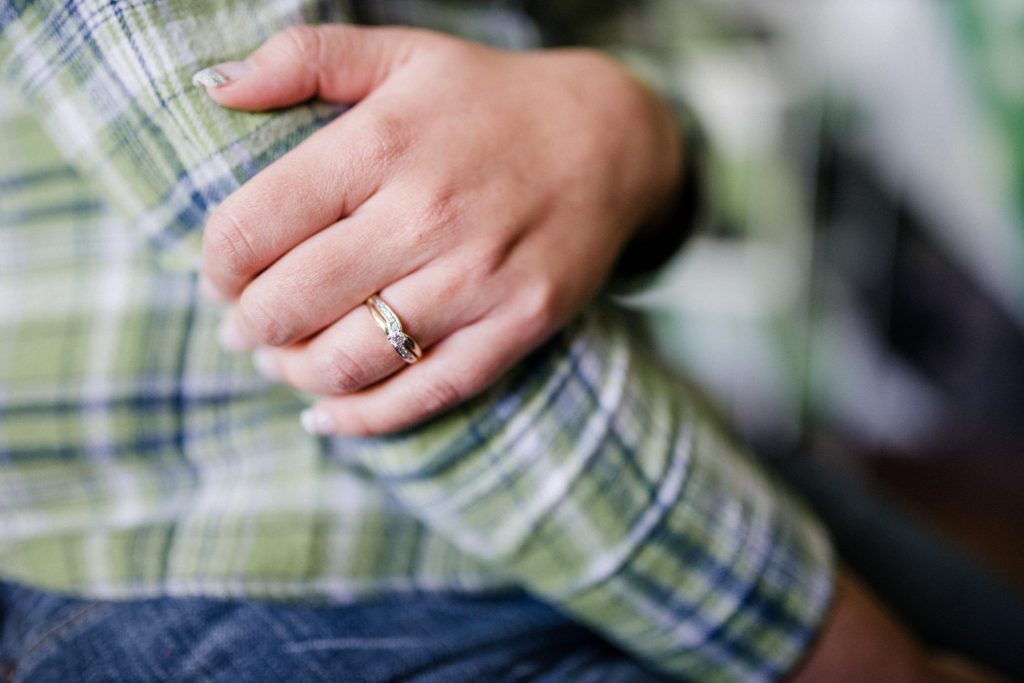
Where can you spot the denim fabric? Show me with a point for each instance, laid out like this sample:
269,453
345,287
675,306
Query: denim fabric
423,638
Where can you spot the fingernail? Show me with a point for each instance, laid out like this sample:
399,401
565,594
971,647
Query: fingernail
210,293
263,361
317,422
231,338
221,74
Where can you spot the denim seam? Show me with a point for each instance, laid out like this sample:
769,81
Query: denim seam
26,662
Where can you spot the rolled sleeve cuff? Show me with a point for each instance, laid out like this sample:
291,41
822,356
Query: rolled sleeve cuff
600,483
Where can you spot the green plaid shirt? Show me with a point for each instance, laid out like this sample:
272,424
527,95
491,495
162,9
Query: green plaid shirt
136,458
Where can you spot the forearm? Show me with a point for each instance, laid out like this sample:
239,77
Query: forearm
861,641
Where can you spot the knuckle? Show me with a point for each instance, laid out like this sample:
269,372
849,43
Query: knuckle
479,270
436,395
447,51
340,372
440,209
459,51
302,40
230,245
267,321
358,425
386,137
539,306
595,59
489,263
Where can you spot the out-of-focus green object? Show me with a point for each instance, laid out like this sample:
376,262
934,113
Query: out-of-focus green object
866,182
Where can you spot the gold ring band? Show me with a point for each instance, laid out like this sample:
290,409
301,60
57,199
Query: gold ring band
388,321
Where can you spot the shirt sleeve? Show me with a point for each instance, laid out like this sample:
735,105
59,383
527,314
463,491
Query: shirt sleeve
588,475
111,85
598,481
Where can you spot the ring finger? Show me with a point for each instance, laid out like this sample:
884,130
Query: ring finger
354,353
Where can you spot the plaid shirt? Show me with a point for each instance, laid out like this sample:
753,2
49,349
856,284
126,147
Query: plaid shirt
136,458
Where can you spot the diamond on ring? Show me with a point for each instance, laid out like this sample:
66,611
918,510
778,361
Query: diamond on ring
387,320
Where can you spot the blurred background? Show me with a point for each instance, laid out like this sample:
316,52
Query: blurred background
857,291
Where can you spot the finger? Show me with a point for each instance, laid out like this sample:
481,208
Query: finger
326,276
457,368
335,62
354,352
327,177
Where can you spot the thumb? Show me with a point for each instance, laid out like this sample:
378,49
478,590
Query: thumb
335,62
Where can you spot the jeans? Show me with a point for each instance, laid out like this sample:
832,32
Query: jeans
423,638
948,601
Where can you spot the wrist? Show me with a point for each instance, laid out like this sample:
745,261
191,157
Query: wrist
659,236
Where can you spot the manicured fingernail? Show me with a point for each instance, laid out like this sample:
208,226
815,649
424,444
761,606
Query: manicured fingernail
231,338
209,292
222,74
317,422
263,361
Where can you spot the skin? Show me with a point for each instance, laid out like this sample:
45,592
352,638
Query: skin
861,641
484,230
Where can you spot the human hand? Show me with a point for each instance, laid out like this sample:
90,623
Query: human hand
484,194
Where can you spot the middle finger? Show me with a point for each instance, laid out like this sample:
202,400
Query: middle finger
354,353
325,178
322,278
